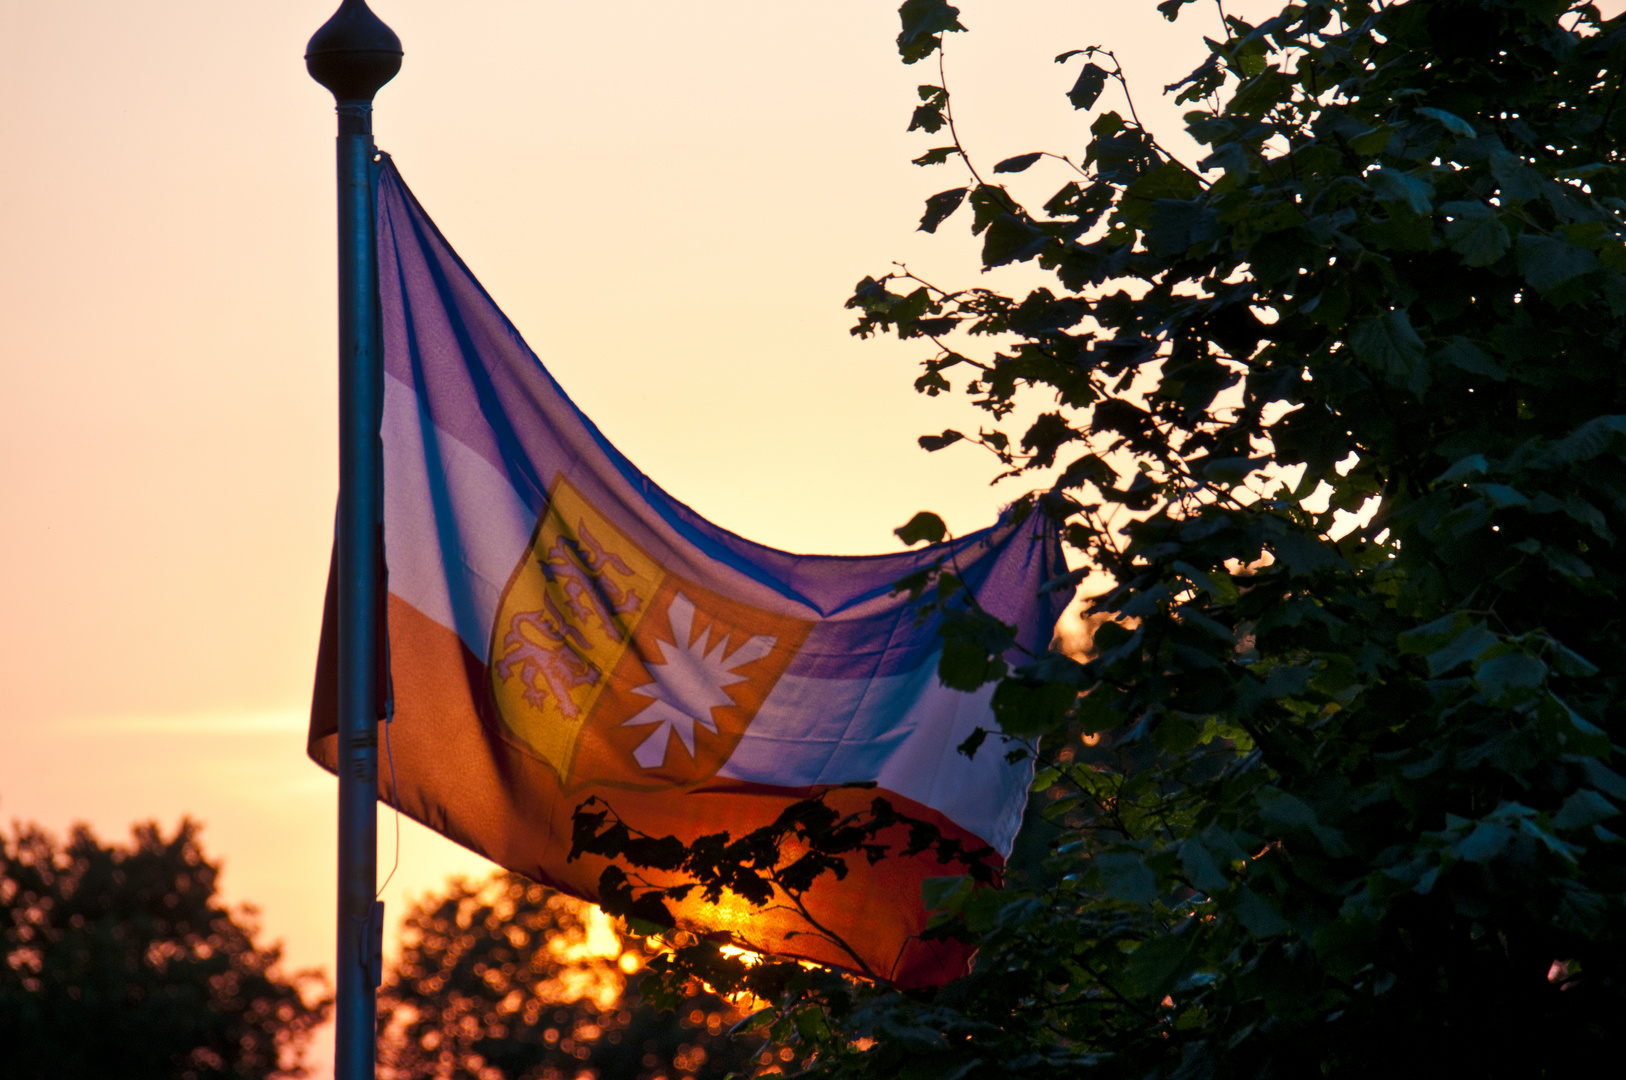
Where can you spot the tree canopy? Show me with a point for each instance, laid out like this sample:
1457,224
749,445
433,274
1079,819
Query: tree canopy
122,961
504,979
1338,411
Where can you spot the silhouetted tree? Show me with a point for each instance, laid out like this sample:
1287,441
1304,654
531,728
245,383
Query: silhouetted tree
123,962
1337,411
507,980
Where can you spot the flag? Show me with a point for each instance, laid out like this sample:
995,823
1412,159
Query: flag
560,628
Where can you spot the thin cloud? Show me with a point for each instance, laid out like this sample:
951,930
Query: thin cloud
265,722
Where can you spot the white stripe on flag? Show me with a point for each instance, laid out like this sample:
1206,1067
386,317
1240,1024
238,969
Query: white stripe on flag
901,731
452,565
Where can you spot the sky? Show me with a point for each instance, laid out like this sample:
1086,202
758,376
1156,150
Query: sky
672,203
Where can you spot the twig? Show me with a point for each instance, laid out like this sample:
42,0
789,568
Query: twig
948,114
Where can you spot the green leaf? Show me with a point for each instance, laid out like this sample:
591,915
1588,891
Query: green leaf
1569,662
1125,876
1091,81
1577,734
933,443
973,742
967,665
760,1018
1026,708
1344,946
1391,185
1110,635
1590,516
1223,844
1469,357
1200,83
1231,471
1584,172
1601,776
1518,181
1422,640
1018,163
1476,233
1201,870
1085,204
1284,811
1089,468
928,118
1257,915
1547,261
1332,841
1510,679
1260,93
937,155
1456,125
1587,441
1107,124
1472,465
1389,343
1570,565
1373,140
1096,711
1500,495
1585,807
987,204
922,21
923,526
1011,239
1305,555
1470,644
1286,680
1218,584
1486,842
1155,965
1614,291
646,927
812,1025
946,893
961,1070
1175,733
939,207
1179,224
1169,180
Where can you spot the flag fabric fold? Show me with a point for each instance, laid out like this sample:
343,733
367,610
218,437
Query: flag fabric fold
559,628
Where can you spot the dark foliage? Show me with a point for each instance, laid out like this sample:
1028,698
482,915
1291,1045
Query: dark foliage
1334,794
121,961
507,980
774,865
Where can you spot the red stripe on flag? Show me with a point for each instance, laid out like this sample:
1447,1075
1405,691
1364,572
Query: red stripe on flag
460,775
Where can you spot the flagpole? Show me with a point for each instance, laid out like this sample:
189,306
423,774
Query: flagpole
354,54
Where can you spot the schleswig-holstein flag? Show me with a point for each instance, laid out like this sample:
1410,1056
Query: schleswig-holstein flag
559,627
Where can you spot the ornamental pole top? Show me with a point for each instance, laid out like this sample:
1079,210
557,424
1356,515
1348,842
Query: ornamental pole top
353,54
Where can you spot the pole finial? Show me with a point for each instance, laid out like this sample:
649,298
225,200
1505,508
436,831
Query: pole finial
353,54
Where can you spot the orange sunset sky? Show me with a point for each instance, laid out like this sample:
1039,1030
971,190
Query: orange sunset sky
671,201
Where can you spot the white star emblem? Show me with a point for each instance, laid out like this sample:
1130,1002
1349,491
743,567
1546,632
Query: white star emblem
688,684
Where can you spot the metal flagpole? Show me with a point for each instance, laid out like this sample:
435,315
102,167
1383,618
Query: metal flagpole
354,54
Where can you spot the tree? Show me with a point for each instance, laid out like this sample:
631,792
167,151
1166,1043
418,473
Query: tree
1339,410
507,980
121,961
